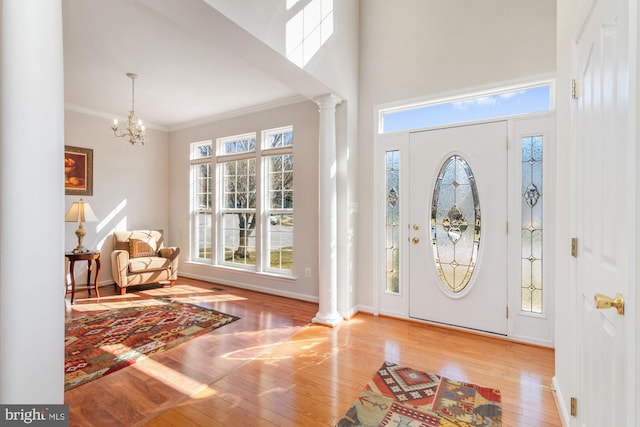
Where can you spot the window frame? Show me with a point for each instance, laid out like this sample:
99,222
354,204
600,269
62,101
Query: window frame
267,153
222,210
221,154
195,209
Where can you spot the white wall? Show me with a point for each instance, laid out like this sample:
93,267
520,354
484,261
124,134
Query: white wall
130,186
420,49
304,119
336,65
267,20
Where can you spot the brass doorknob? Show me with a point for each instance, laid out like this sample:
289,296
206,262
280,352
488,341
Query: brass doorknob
603,301
415,240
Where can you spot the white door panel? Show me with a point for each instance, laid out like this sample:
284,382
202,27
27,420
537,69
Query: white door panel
605,202
482,303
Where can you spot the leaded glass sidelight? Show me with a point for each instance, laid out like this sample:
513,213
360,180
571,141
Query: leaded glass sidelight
455,223
531,295
392,200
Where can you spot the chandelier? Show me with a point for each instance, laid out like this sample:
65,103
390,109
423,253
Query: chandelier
134,129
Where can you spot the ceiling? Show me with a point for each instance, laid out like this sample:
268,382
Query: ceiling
193,63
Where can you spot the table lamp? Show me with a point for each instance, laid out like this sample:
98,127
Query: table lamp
80,212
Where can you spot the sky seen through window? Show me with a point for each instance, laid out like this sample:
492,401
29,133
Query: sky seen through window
521,101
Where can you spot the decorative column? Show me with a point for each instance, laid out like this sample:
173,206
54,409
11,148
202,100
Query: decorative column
32,198
328,218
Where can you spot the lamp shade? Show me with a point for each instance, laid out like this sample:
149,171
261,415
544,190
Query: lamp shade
80,212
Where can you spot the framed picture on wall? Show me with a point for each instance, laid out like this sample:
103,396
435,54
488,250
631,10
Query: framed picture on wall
78,171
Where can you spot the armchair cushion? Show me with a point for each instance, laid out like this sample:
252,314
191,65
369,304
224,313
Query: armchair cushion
141,248
151,263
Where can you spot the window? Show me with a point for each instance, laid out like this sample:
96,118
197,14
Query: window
253,217
201,191
531,296
392,245
236,162
308,30
278,158
480,106
455,224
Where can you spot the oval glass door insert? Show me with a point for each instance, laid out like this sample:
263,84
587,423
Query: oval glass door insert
455,224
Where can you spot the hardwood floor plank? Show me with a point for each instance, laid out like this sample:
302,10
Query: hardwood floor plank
272,368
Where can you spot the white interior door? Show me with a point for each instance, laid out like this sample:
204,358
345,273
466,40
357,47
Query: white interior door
457,234
605,215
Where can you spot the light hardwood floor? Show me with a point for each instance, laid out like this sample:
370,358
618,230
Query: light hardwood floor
273,368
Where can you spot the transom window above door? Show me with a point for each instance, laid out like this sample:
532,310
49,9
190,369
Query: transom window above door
498,103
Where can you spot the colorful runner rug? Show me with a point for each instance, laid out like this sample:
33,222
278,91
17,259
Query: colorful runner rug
400,396
100,344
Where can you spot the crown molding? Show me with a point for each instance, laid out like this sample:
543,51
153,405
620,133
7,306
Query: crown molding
240,112
110,117
197,122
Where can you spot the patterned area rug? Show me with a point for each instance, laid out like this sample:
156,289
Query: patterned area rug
100,344
400,396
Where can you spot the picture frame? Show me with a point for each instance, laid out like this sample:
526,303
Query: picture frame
78,171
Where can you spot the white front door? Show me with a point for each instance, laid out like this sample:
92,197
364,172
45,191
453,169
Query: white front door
605,206
457,230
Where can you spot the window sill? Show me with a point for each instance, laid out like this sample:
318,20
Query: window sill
241,271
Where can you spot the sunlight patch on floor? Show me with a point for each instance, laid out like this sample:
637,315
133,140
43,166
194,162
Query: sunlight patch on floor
455,372
180,382
111,303
263,352
176,290
213,298
206,393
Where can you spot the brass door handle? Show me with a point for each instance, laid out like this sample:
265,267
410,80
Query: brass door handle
415,240
603,301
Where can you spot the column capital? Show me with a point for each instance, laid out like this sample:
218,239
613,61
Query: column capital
327,101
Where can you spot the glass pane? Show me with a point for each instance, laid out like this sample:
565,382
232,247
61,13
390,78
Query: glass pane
239,184
201,197
280,241
279,139
280,212
455,224
239,238
203,235
392,247
280,181
239,218
480,107
531,252
203,186
201,150
237,144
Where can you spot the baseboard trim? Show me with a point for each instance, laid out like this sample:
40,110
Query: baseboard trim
262,289
562,408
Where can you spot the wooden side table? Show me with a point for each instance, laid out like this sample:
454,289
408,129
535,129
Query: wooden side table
89,257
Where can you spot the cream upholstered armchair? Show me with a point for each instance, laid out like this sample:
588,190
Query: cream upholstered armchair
140,257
